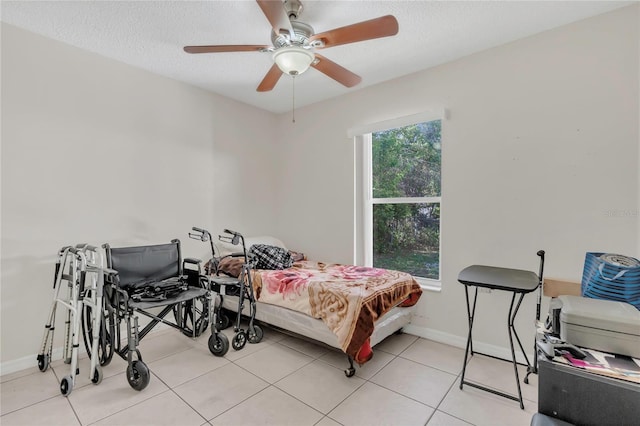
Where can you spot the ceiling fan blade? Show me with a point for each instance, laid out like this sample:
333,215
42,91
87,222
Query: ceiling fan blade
276,15
336,72
225,48
375,28
269,81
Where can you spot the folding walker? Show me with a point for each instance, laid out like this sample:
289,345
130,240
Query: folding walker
82,268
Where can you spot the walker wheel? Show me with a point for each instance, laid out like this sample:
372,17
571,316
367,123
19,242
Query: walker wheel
43,362
218,344
239,340
97,375
223,321
349,372
66,385
138,375
257,334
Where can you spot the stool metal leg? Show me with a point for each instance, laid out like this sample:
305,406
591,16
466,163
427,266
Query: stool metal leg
511,329
470,314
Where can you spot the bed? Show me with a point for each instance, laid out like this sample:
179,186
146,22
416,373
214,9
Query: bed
348,307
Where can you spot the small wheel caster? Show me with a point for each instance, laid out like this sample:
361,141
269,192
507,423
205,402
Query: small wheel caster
223,321
97,375
43,362
257,334
349,372
138,375
239,340
218,344
66,385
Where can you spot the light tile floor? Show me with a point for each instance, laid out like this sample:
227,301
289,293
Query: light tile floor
280,381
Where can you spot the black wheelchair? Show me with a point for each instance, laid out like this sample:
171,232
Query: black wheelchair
153,281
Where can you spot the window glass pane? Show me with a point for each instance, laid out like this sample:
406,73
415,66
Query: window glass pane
406,161
406,237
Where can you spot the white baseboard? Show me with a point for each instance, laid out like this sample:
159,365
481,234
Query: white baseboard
461,342
30,361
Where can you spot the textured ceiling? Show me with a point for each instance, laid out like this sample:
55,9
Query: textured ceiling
151,34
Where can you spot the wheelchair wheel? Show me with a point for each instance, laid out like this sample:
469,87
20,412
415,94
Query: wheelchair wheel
218,344
223,320
105,339
109,337
138,375
256,335
239,340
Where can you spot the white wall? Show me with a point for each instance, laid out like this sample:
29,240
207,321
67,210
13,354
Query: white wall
542,143
97,151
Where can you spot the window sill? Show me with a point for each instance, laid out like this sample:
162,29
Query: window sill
429,285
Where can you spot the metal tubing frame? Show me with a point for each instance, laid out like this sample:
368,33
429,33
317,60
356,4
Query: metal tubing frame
512,331
533,369
46,348
73,304
93,297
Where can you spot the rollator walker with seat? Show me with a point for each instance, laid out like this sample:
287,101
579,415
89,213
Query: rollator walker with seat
240,286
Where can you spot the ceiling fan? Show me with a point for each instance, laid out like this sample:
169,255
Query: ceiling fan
294,43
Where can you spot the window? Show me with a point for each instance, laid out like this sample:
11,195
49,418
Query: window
401,190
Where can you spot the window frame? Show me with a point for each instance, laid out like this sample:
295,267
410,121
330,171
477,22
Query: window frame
363,220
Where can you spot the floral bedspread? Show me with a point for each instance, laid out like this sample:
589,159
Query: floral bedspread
349,299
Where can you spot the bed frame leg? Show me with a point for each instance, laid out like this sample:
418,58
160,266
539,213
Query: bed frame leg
349,372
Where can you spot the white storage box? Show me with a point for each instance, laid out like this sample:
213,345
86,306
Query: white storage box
604,325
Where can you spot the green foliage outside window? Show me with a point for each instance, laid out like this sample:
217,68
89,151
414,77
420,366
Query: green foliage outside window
406,162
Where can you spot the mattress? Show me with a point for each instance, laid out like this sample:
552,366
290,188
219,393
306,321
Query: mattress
316,329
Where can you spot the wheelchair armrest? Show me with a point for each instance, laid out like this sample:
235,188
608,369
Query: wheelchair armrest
196,266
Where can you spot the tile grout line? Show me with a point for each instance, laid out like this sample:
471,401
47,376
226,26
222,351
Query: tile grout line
126,408
293,372
312,358
365,381
258,377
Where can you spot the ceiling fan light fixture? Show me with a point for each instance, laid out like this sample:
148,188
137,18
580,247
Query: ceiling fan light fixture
293,60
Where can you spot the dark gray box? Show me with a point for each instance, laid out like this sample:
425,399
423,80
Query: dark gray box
582,398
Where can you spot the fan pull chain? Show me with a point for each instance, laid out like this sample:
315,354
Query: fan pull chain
293,99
